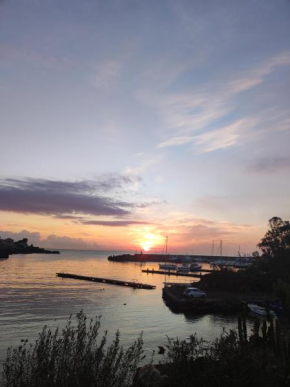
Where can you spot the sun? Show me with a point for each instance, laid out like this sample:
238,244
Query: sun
146,246
150,241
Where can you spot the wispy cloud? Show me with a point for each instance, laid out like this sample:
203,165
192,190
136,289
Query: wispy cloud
224,137
195,117
269,165
114,223
144,162
220,138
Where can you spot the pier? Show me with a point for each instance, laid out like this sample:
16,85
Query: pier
172,272
110,281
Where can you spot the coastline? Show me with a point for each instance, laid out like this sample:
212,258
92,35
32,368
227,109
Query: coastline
4,254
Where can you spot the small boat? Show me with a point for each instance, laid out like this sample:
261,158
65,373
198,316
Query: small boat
195,267
167,266
183,269
266,312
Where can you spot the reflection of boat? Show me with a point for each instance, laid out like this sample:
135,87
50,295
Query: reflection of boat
183,269
195,267
261,311
167,266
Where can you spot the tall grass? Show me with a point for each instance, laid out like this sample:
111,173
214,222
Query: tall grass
74,357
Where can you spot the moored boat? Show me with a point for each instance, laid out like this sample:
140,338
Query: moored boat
167,266
266,312
183,269
195,267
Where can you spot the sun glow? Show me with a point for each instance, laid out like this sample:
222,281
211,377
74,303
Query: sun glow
150,241
146,246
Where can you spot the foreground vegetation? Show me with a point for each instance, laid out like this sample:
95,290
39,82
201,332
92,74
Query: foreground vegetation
235,359
73,358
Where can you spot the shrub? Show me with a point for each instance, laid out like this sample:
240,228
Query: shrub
234,359
72,358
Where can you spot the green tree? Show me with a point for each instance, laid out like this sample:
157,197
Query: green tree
277,239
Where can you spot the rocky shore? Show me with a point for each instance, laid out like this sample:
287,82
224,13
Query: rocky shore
9,246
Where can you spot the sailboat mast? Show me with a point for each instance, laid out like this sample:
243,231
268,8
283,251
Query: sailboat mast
166,245
212,248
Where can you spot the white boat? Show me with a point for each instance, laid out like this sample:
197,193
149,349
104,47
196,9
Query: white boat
183,269
261,311
167,266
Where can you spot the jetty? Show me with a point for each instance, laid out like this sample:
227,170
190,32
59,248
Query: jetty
131,284
173,272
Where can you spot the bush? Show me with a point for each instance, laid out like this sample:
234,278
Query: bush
73,358
235,359
251,279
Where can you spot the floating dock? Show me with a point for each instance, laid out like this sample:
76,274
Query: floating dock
130,284
168,272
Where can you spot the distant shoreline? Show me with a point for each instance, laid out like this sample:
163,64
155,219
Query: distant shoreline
36,250
9,247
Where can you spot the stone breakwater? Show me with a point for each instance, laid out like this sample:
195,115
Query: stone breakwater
176,258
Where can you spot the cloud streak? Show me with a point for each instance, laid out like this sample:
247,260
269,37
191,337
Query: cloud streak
270,165
60,198
195,117
114,223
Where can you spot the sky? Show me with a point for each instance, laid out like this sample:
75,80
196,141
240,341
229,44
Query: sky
126,121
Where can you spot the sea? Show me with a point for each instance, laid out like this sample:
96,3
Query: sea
32,296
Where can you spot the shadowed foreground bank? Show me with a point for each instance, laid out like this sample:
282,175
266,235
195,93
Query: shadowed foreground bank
78,357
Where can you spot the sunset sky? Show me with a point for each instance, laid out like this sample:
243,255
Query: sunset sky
124,121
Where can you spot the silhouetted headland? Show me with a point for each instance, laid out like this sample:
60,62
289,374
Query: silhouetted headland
8,247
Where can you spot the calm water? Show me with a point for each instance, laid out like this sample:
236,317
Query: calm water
31,296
